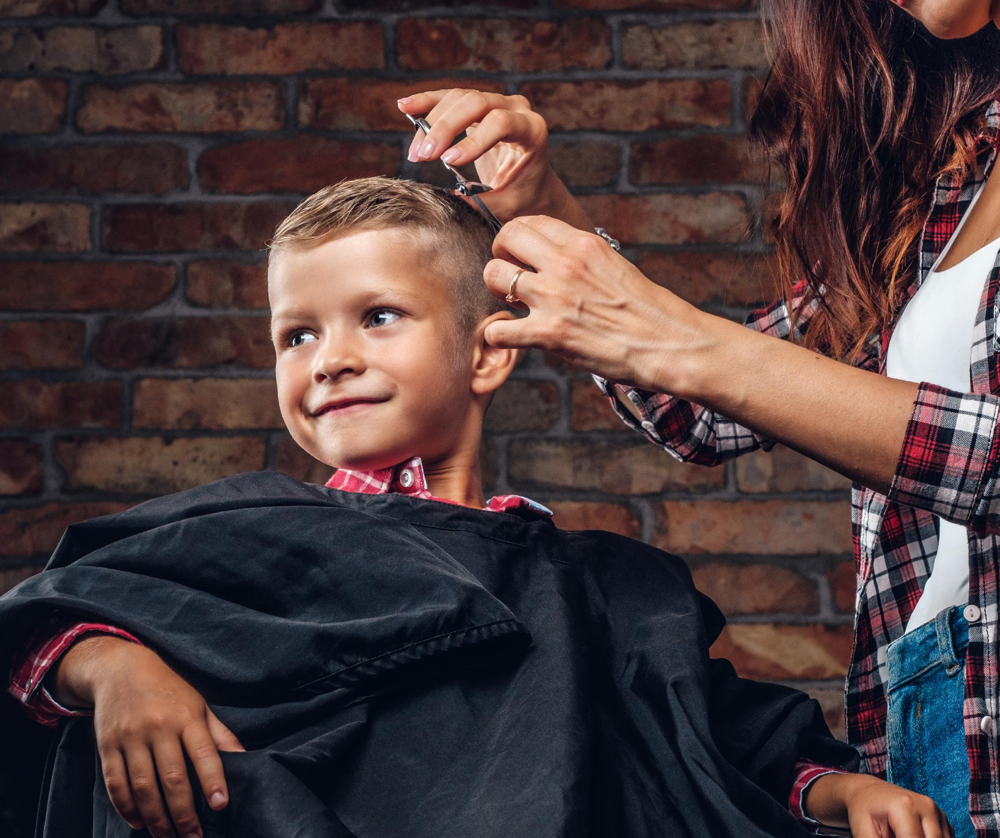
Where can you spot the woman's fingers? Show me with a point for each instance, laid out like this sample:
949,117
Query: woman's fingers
499,275
146,791
497,126
176,785
524,243
116,782
557,231
456,112
512,334
203,751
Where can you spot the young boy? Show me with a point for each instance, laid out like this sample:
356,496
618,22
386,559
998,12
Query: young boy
399,656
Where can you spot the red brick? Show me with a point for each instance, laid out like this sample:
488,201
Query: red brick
95,169
614,466
14,576
243,8
671,218
222,283
592,409
708,158
32,106
206,404
165,228
79,49
732,279
36,530
303,164
784,470
756,588
587,515
657,5
280,49
585,164
754,527
293,461
498,45
61,404
844,585
84,286
211,107
50,8
41,344
653,105
353,104
524,406
60,228
20,467
712,44
781,652
151,465
185,343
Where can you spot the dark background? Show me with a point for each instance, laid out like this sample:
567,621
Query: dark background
151,146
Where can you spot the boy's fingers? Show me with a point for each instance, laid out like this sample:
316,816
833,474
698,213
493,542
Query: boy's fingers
176,786
146,792
204,755
116,782
906,824
223,736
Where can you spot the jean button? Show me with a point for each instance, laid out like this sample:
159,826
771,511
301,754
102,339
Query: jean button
987,725
972,613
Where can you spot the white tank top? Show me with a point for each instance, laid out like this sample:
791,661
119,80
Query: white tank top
932,342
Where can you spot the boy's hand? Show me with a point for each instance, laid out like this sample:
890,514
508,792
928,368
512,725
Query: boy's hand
146,717
873,808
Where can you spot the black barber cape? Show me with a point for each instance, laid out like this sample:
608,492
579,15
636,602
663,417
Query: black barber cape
409,668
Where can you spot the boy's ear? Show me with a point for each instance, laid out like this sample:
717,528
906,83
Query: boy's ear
491,366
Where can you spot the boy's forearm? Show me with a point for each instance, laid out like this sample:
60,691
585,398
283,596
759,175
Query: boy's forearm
828,797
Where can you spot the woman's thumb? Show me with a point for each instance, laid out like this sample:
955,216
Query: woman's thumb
225,739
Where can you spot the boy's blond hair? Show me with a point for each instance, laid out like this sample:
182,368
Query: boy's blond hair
446,228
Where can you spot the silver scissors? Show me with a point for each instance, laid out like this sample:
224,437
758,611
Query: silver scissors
469,188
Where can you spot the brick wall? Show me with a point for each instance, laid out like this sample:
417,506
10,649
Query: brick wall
150,147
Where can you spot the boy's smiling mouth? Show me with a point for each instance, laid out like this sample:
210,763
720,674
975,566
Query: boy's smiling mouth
348,404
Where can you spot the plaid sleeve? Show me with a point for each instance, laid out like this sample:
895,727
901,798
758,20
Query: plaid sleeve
806,773
36,658
693,433
949,460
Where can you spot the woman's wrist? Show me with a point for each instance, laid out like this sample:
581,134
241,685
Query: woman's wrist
556,201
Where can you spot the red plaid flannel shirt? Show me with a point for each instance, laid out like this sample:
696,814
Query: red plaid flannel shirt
55,637
949,467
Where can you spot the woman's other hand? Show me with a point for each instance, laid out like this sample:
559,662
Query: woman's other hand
507,141
146,718
873,808
591,306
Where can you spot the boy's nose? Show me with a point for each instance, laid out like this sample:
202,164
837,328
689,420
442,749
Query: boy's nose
336,359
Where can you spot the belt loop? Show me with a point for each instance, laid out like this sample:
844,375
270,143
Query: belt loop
946,640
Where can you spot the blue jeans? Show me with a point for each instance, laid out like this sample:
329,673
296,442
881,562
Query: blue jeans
924,727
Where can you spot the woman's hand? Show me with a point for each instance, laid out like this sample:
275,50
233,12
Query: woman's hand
507,141
146,717
591,306
873,808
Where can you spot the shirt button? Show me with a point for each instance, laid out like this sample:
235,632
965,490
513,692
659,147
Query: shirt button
406,478
972,613
987,725
648,426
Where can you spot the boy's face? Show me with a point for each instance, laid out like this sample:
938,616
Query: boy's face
367,367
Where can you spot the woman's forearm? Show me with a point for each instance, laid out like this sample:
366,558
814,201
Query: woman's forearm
848,419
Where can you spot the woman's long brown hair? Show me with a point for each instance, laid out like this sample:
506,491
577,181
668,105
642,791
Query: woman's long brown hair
862,110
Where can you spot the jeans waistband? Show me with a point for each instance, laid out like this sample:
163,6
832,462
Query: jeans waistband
942,641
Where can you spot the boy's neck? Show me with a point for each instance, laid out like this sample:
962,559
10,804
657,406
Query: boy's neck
457,478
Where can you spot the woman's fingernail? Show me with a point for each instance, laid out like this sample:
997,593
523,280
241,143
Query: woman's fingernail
404,101
451,155
216,800
426,150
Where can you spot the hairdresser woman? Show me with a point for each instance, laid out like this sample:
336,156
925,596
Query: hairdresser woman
882,360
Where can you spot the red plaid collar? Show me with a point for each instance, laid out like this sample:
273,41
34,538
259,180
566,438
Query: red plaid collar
408,478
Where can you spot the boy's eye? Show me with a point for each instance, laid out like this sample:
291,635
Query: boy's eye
298,338
382,317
